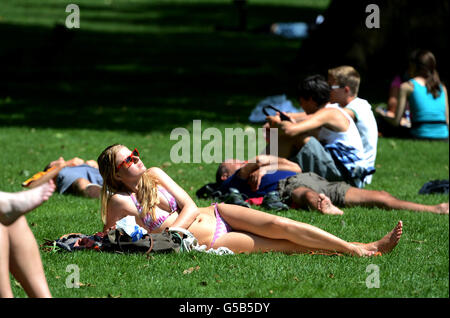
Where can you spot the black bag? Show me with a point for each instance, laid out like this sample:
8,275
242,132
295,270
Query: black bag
435,186
164,242
117,240
207,191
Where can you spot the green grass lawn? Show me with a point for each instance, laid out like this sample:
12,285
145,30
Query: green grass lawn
137,69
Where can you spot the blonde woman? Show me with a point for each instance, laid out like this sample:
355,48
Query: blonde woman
157,202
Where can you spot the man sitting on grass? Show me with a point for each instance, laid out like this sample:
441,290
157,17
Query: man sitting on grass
326,141
308,190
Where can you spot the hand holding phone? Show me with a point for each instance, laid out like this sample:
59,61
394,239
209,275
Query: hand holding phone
283,116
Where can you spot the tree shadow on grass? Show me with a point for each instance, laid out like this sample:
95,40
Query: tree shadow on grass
143,67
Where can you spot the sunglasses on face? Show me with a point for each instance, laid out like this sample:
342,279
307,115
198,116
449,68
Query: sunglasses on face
128,161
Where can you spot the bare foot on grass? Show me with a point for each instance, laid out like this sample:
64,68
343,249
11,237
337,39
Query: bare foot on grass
441,208
384,245
325,206
14,205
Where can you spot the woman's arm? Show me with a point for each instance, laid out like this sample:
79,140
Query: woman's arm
405,90
446,103
120,206
189,210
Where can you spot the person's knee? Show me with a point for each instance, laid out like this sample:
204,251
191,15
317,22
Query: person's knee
385,195
279,224
383,199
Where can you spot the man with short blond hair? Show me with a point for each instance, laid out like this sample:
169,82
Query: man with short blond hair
344,82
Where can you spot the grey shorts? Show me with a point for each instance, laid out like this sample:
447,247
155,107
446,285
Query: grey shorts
68,175
334,190
313,157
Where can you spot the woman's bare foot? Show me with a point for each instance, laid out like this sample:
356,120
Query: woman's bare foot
325,206
14,205
441,208
384,245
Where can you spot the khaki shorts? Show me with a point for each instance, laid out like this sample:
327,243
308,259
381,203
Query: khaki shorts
313,157
334,190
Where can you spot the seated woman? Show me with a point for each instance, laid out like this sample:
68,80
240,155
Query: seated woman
157,202
428,101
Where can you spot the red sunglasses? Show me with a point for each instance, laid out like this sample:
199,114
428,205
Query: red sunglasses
128,161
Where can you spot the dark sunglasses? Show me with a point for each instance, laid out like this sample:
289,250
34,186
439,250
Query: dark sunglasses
128,161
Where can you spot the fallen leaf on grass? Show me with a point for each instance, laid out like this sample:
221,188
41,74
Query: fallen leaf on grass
191,269
166,164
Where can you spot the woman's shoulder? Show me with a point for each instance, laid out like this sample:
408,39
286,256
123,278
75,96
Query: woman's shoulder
407,86
155,171
120,200
119,206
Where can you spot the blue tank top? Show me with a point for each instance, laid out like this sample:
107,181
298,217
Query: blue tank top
427,113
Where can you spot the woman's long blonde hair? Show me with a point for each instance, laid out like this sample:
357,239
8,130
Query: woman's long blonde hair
147,194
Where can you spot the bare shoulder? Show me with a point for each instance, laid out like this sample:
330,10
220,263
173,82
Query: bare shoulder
120,203
159,175
324,113
119,206
350,112
155,171
407,87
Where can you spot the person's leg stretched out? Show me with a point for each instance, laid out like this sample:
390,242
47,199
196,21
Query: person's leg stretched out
14,205
259,231
318,194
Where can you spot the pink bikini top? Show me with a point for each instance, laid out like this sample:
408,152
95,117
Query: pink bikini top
161,215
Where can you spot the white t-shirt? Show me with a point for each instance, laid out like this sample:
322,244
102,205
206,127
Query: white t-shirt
367,127
350,138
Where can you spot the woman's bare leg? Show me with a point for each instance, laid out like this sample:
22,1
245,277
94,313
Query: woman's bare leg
384,200
25,260
302,234
241,242
307,198
5,285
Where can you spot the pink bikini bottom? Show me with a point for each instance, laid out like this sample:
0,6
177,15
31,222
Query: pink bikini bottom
222,227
